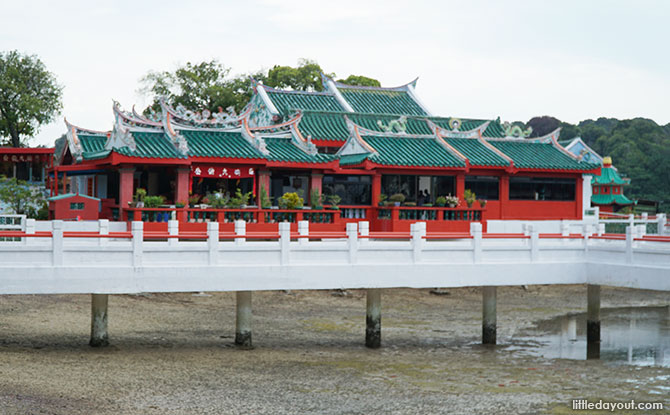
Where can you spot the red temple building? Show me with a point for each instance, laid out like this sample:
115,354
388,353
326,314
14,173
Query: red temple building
608,189
367,145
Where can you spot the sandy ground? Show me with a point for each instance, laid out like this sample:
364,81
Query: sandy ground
173,354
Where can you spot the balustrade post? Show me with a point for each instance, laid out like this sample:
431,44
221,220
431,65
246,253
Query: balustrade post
629,244
418,231
661,220
352,241
240,229
285,242
601,229
534,243
103,229
476,232
565,228
30,230
261,216
641,230
99,336
173,230
631,219
303,230
137,231
213,242
57,242
364,231
525,228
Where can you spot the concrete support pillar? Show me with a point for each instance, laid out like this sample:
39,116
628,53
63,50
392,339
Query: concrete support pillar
593,322
99,337
243,320
489,315
373,319
504,196
376,189
315,185
263,185
460,185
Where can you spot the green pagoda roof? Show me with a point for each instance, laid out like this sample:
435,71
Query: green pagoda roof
287,101
219,144
282,149
610,199
535,155
608,176
409,151
476,152
380,101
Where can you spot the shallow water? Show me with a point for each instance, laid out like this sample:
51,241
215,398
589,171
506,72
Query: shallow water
634,335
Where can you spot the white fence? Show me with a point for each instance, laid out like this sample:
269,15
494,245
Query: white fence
106,262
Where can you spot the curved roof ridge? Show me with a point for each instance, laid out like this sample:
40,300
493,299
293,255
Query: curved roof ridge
285,91
377,88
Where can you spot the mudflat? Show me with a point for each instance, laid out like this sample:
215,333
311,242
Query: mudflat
173,354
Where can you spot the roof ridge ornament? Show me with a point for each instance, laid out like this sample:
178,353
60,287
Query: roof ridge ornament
73,142
120,135
514,131
400,125
255,140
177,140
355,144
455,124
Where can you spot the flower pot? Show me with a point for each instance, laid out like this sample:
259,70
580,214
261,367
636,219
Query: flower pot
396,204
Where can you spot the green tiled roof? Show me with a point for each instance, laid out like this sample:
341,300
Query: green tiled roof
92,143
332,126
381,101
531,155
151,145
285,101
351,159
609,199
219,144
476,152
410,151
282,149
494,129
608,176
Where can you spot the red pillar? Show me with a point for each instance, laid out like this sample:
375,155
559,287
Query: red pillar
578,198
316,184
182,185
460,185
263,183
504,195
376,189
125,188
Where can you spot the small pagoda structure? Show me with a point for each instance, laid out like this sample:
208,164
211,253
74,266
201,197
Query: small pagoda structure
608,189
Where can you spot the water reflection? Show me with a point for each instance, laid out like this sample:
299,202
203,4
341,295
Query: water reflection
635,335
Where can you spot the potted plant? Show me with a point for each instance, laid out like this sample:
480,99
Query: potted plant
470,197
204,202
140,194
153,201
193,200
482,203
382,199
291,201
452,201
316,199
180,205
397,199
334,201
240,200
410,204
441,201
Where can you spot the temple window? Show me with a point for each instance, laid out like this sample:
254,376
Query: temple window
415,187
485,187
353,189
541,188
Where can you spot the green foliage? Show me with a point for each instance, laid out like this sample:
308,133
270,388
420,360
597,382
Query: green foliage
470,197
140,194
240,199
217,200
29,96
315,199
360,80
266,202
441,201
382,199
22,199
305,77
153,201
482,202
397,198
291,201
543,125
334,200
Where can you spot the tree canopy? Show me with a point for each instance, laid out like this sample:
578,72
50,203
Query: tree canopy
29,96
208,85
359,80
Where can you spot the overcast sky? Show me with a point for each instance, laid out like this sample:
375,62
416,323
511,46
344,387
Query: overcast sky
515,59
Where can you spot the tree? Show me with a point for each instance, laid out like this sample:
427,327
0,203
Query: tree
305,77
22,199
543,125
360,80
29,96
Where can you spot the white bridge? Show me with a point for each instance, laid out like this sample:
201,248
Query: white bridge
45,258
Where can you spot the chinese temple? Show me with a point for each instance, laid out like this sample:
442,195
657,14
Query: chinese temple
608,189
380,150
